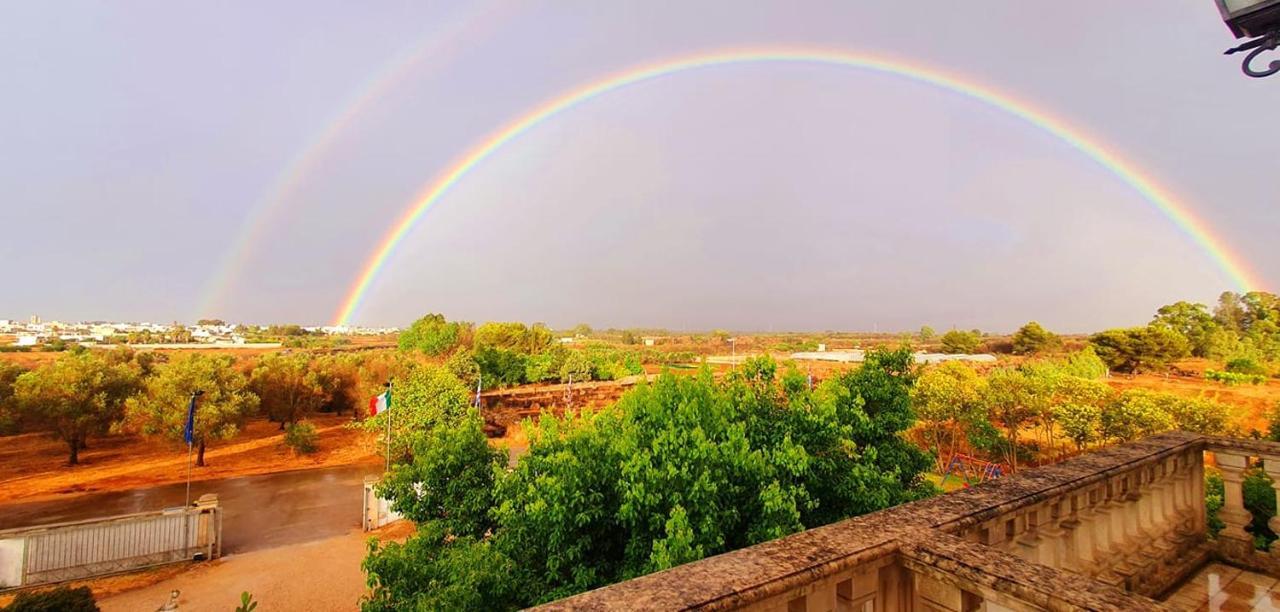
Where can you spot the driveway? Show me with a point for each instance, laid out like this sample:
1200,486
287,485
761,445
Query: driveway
259,512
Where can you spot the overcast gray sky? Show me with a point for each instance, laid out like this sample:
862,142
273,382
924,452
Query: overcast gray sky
137,140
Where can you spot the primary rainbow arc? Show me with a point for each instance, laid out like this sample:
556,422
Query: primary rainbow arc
1230,264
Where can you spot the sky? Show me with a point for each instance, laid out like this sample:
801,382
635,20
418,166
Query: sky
165,161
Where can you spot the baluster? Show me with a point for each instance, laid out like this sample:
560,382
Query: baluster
1233,514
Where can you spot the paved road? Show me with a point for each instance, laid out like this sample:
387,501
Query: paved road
259,512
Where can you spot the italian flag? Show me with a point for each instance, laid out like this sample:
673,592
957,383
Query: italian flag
380,403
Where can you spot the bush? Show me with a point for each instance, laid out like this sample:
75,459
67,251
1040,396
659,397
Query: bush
1232,379
501,367
301,437
1245,365
61,599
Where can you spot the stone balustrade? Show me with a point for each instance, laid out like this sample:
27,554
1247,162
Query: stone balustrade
1103,531
1232,457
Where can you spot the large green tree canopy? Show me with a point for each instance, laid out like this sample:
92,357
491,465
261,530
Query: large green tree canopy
679,469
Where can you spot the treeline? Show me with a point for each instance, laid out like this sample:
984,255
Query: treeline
500,354
1017,415
679,469
86,393
1242,331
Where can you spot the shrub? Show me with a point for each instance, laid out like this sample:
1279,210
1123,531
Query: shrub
301,437
1232,379
1245,365
61,599
501,367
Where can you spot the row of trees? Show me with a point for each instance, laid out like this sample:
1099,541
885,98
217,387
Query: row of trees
86,393
1030,339
507,353
681,469
1244,329
1018,414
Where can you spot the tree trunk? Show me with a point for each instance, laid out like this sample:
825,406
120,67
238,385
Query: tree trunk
200,456
84,443
74,459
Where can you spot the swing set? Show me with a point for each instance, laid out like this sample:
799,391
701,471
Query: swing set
972,470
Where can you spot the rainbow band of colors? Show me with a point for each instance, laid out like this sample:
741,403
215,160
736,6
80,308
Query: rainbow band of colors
1180,215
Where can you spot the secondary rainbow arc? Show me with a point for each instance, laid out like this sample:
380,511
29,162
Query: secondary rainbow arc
1183,217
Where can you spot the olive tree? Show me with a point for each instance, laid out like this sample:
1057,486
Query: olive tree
223,406
78,395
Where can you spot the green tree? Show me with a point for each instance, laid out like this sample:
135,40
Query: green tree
678,469
462,364
958,341
1239,365
546,365
220,411
433,335
514,337
926,333
1260,306
287,388
1193,322
76,396
1033,338
450,479
423,399
947,399
577,367
1134,414
501,367
1139,348
10,416
582,329
1196,415
1081,423
338,379
1230,312
1013,398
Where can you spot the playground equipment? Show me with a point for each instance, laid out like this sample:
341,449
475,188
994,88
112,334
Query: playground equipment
972,469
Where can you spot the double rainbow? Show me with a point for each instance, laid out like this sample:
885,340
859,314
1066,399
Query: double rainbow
1230,264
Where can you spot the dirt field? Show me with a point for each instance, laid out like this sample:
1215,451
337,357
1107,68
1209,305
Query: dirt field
33,466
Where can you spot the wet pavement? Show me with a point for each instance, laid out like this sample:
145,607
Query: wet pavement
259,512
1222,587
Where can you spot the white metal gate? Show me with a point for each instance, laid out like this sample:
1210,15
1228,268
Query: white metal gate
376,511
80,549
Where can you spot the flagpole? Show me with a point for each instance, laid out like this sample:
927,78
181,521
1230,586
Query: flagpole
388,426
191,420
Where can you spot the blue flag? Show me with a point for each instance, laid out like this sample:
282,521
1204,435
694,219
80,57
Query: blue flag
189,432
